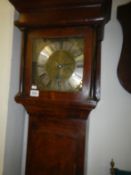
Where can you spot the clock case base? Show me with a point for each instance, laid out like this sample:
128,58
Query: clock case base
56,138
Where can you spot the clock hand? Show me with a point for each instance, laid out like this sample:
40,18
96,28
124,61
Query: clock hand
59,84
58,80
64,65
68,64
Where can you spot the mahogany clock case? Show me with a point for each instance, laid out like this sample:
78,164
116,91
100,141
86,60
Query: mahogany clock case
62,13
57,120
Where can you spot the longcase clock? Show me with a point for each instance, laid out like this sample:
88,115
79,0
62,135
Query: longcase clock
60,79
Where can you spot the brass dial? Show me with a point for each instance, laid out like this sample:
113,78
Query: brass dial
58,64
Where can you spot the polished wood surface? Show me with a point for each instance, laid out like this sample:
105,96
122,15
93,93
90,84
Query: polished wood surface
61,13
58,147
57,120
124,67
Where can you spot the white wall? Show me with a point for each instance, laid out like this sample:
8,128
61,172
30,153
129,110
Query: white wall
6,33
15,117
110,122
11,114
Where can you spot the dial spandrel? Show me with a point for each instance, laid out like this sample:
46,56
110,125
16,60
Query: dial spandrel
57,64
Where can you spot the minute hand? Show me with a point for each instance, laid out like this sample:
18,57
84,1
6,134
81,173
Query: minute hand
64,65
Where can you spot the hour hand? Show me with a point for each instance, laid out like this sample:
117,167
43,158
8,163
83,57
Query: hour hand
64,65
67,64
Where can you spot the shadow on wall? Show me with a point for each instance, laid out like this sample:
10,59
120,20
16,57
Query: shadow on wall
16,116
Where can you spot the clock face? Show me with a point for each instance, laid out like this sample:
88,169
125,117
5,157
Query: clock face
58,64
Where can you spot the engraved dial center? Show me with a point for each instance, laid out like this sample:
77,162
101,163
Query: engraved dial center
61,63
